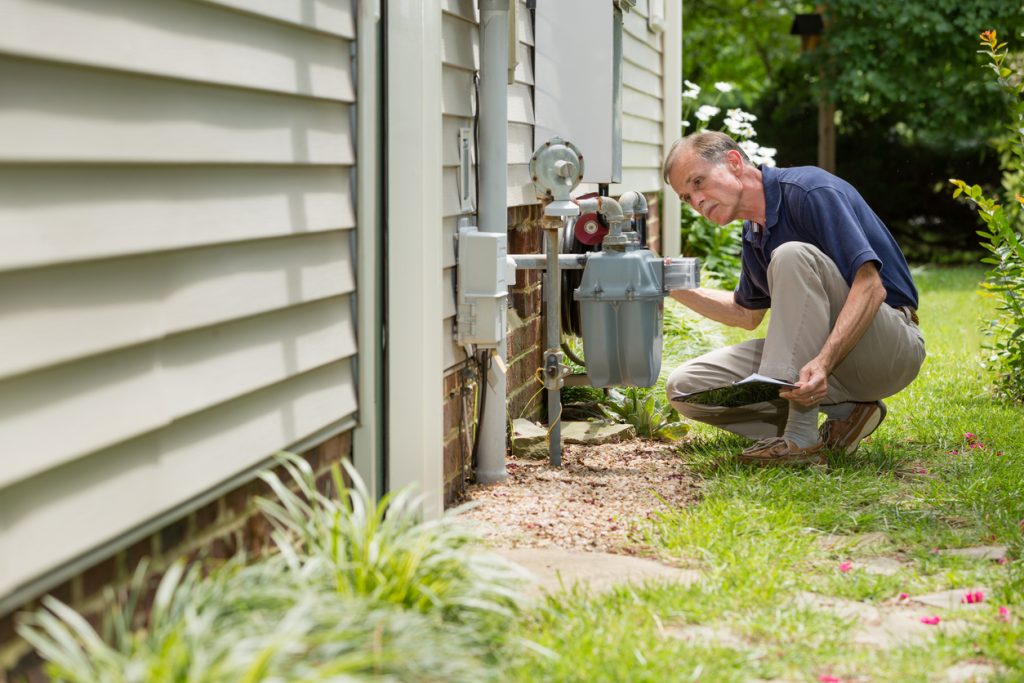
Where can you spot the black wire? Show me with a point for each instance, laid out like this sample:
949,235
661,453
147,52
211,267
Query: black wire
572,356
484,363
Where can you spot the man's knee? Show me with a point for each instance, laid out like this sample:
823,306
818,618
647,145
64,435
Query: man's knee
680,382
793,253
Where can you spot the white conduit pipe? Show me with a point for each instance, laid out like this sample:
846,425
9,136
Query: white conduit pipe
493,160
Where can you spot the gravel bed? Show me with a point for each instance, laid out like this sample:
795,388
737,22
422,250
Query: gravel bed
597,501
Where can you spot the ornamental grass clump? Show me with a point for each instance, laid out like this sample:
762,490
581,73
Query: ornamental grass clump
1003,236
359,591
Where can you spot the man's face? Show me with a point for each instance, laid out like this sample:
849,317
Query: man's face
713,189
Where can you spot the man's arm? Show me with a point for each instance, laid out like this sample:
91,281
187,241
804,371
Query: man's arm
866,295
720,306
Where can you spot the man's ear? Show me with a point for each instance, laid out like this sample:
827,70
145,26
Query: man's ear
733,160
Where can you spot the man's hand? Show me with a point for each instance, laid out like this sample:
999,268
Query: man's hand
866,295
812,385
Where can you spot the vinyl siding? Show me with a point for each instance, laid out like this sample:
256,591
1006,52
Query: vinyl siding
642,94
177,222
460,53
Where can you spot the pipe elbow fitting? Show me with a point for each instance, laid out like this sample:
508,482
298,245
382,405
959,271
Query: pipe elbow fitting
610,209
633,203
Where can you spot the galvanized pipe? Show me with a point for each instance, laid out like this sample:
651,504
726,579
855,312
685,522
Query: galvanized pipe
553,354
541,261
493,160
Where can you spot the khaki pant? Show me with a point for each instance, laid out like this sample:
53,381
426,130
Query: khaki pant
807,293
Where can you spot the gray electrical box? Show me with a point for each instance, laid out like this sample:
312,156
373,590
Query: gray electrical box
578,81
482,287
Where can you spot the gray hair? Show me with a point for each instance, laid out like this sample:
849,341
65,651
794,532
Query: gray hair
709,145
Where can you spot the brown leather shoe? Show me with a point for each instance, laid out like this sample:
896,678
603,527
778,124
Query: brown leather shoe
780,451
846,435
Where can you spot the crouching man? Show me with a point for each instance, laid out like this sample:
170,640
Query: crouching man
843,324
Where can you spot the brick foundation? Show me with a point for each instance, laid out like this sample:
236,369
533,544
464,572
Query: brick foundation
212,533
653,221
525,352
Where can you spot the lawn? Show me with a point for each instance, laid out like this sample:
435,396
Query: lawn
800,561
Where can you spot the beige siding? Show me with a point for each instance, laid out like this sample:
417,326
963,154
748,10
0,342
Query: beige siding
642,94
176,223
460,53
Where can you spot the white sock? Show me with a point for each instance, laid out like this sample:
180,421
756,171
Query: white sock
802,425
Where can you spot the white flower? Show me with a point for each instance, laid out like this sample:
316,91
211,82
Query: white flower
740,115
706,111
722,86
758,155
684,123
738,127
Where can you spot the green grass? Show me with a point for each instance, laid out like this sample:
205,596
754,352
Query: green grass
756,535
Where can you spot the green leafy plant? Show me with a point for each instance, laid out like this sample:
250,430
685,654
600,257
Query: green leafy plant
1002,236
652,416
359,591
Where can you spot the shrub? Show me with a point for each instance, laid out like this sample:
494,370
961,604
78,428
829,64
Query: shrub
359,591
1002,236
650,414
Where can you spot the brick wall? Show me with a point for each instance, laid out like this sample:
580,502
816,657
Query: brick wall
525,352
212,533
653,221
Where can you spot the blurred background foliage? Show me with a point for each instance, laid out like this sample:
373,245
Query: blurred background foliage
911,110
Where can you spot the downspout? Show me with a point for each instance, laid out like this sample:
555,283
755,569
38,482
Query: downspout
492,214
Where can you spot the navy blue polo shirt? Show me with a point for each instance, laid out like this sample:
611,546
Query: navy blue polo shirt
807,204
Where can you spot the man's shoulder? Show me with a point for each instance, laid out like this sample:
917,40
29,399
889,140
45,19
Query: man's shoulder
808,178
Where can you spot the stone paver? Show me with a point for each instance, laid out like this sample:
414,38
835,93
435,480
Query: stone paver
878,626
903,626
981,552
695,633
882,566
845,609
951,599
531,440
555,567
970,672
869,542
595,434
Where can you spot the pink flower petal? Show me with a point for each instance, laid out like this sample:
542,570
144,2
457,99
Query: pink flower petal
845,567
1002,560
969,436
931,621
1004,612
903,596
825,678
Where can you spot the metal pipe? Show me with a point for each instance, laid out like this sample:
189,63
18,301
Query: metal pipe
540,261
553,354
493,160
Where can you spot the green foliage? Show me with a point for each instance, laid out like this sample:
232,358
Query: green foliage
739,41
772,543
718,247
901,63
359,591
652,416
1003,236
